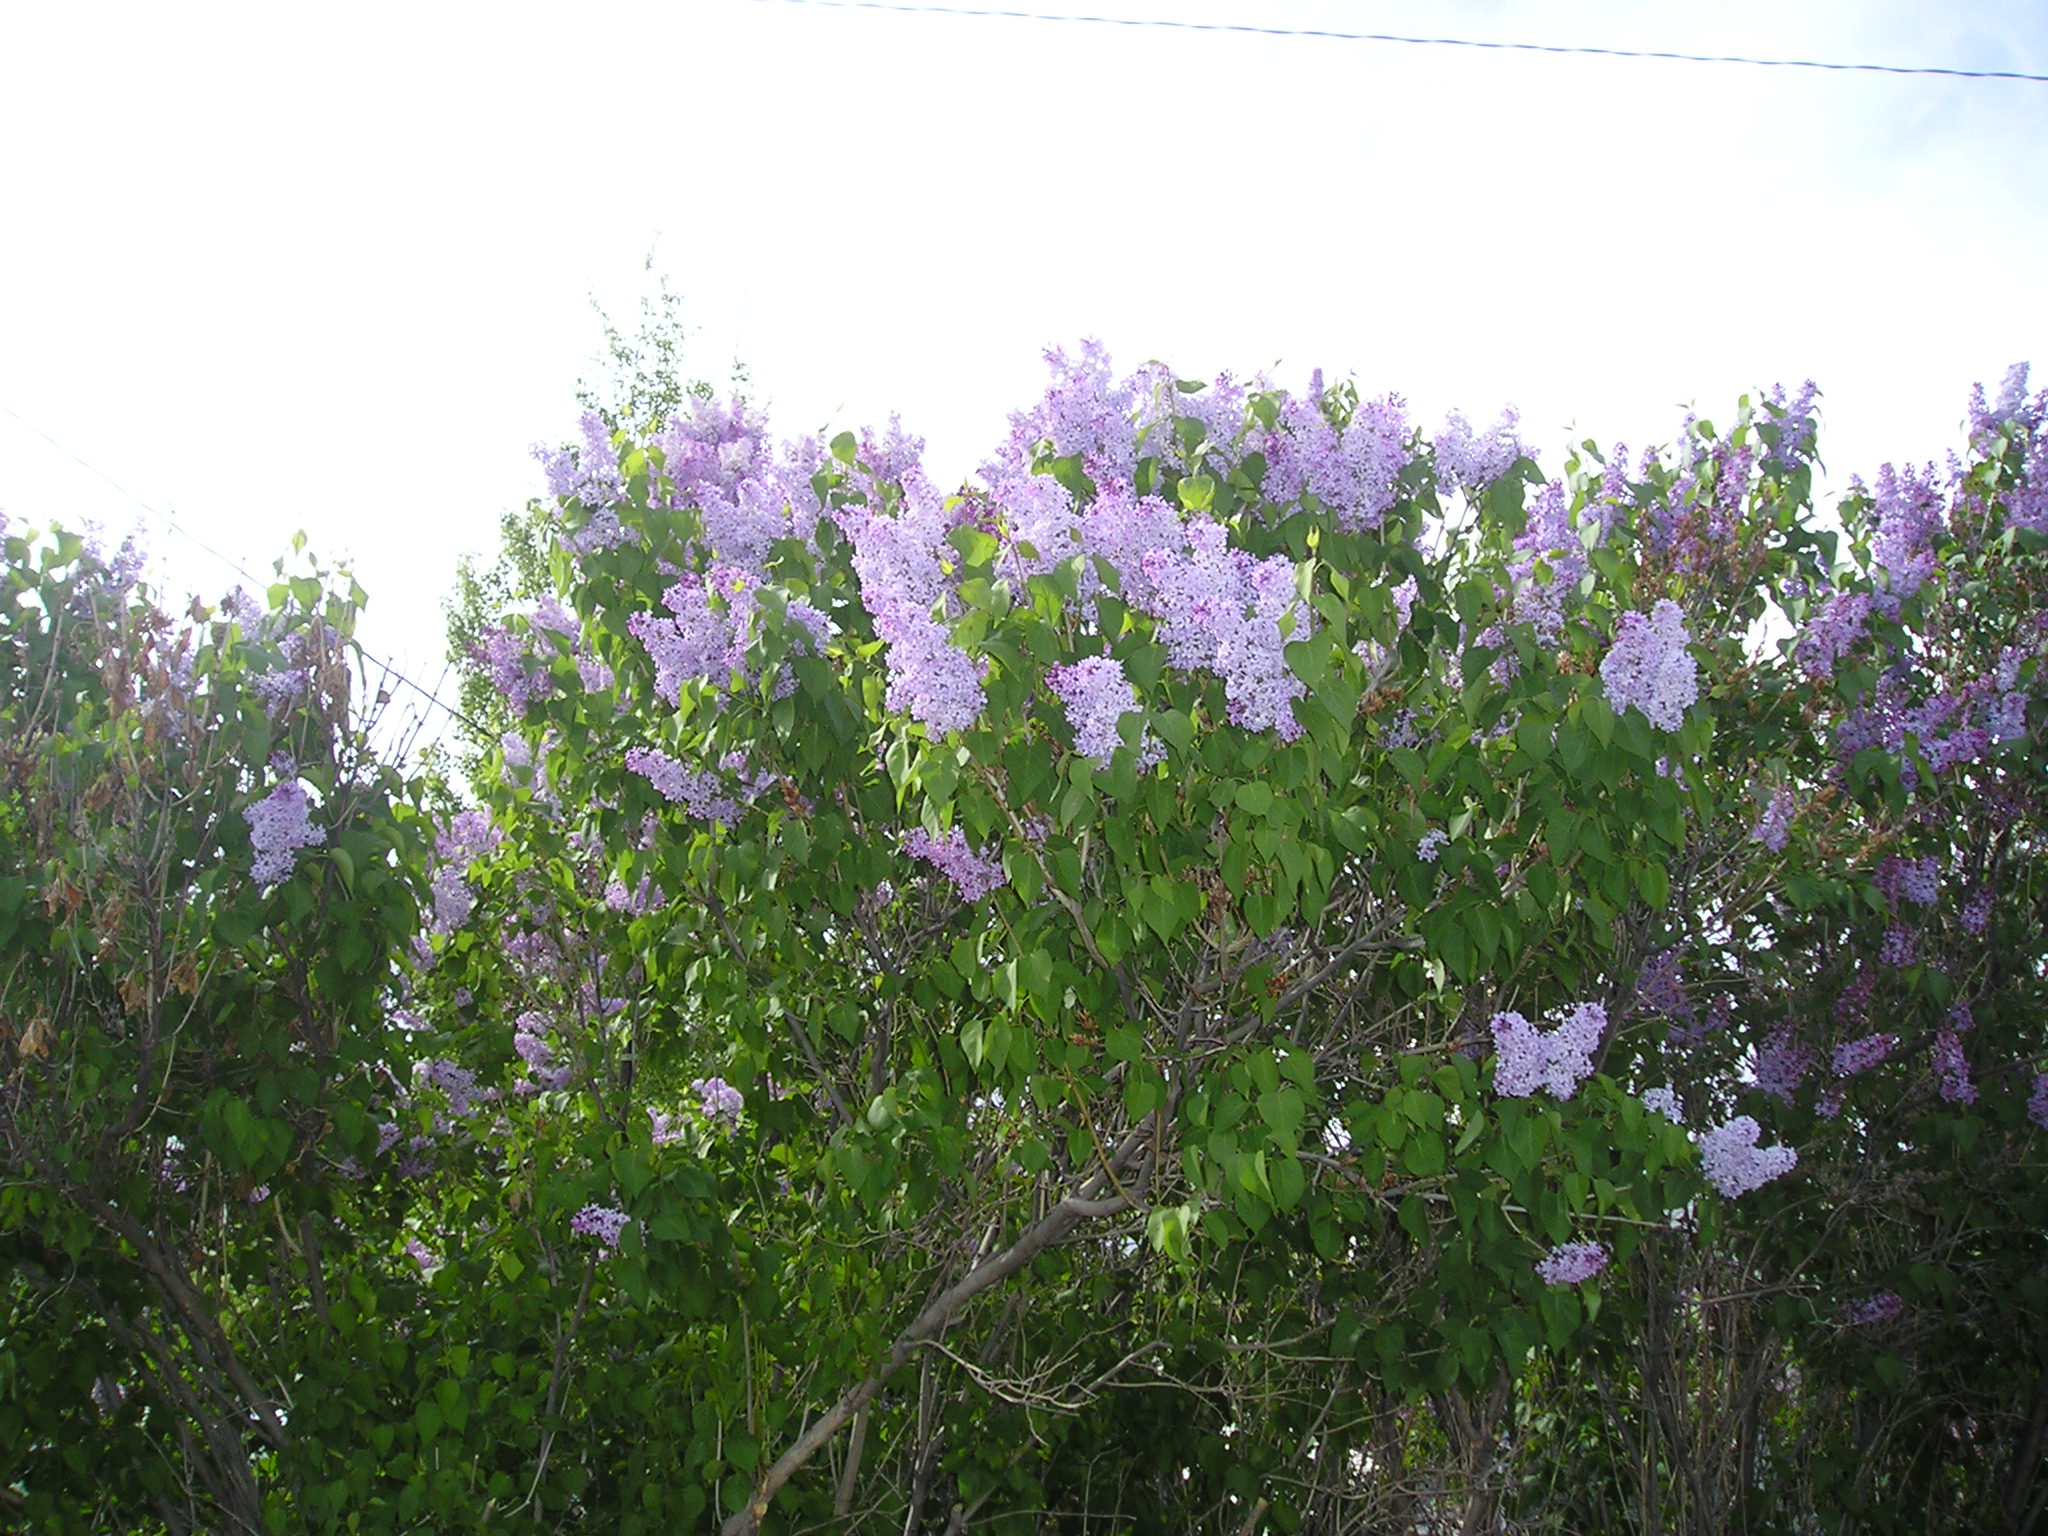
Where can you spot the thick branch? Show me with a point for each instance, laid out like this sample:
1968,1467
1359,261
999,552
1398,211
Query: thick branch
1082,1205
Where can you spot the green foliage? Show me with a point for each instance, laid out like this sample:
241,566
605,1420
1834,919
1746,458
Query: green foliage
665,1142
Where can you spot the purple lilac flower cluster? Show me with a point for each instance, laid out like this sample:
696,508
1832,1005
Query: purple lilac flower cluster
589,474
1782,1063
1951,1066
1222,611
711,620
1856,1056
1832,629
457,1082
1085,413
2037,1101
1793,421
1734,1164
903,584
1558,1060
1664,1101
718,1101
1431,846
1774,828
1910,523
1351,470
514,671
549,1072
636,901
973,875
280,824
717,460
1469,461
703,792
1650,667
1547,541
1097,695
1570,1263
1901,880
600,1222
1880,1308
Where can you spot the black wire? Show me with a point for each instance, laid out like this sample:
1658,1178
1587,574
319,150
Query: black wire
170,521
1427,42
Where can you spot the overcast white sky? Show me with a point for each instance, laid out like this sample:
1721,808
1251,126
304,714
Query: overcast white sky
278,267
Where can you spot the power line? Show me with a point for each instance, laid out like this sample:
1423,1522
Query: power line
1429,42
390,669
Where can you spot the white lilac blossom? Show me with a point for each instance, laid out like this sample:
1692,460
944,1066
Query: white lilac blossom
1650,667
1097,695
1558,1060
974,875
280,824
1734,1164
1570,1263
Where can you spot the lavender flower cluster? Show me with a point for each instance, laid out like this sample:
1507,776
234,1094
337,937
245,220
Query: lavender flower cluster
1470,461
1558,1060
705,793
973,874
718,1101
1350,470
601,1222
1570,1263
1880,1308
1650,667
899,560
1222,611
280,824
1097,696
1774,828
1733,1162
